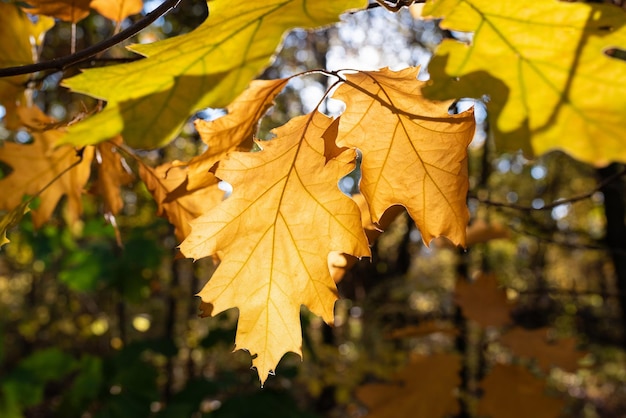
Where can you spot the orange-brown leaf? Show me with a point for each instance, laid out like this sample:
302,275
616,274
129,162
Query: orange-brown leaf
273,236
183,206
66,10
414,152
37,164
534,344
483,301
112,174
117,10
424,388
513,392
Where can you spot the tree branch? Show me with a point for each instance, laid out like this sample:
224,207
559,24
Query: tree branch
62,63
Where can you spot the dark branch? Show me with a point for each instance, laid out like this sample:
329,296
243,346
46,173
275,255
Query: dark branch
64,62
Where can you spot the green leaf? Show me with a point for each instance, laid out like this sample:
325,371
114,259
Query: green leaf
544,66
149,100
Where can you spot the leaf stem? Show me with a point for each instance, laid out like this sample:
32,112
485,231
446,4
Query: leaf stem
62,63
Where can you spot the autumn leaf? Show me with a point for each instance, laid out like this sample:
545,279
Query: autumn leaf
232,132
181,208
412,392
66,10
113,172
543,65
414,152
481,231
273,236
511,391
483,301
207,67
38,166
23,35
117,10
11,219
534,344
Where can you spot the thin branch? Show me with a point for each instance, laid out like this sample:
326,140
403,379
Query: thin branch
557,203
62,63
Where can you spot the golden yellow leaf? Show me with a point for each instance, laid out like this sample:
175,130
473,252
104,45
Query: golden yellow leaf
66,10
112,174
37,164
117,10
423,389
544,66
483,301
414,152
511,391
232,132
534,344
273,236
181,208
207,67
20,36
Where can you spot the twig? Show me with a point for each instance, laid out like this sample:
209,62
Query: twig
557,203
62,63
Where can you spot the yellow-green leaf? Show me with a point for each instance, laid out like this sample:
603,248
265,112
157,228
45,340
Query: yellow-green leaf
544,66
11,219
149,100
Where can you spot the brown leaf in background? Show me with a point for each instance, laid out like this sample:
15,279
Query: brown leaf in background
483,301
423,389
535,344
66,10
37,164
113,173
480,232
513,392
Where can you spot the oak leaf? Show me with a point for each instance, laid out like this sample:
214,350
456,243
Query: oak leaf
66,10
11,219
414,152
207,67
412,392
113,172
117,10
483,301
511,391
273,236
180,209
535,344
23,36
39,169
544,65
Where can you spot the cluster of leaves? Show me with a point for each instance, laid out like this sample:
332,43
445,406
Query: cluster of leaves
273,234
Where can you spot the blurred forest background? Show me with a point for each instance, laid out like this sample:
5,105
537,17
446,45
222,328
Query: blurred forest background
101,321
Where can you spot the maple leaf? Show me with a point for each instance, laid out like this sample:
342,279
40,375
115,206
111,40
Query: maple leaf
112,174
411,392
273,236
207,67
184,206
117,10
543,65
414,152
483,301
511,391
39,166
66,10
24,35
534,344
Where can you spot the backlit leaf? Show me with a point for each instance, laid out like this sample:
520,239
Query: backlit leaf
543,65
273,236
207,67
117,10
67,10
414,152
112,174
